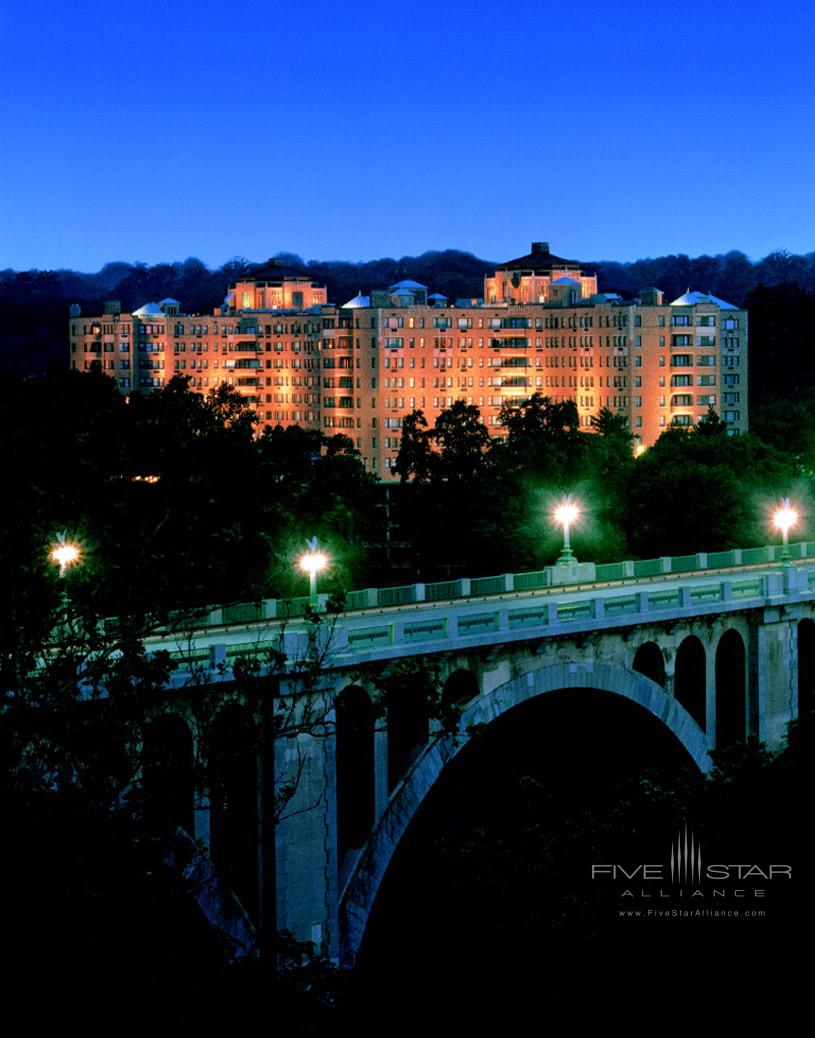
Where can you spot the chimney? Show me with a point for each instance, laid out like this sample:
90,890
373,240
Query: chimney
540,246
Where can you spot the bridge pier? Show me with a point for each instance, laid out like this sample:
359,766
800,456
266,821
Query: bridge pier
710,691
774,675
381,792
307,866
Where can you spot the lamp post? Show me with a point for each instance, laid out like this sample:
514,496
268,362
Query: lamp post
313,562
784,518
64,554
566,515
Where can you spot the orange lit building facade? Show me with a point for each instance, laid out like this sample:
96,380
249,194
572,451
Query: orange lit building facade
359,369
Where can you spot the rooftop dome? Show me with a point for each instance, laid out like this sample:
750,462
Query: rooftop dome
692,298
168,302
358,300
148,310
407,284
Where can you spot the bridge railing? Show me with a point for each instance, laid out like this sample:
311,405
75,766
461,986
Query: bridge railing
477,587
487,619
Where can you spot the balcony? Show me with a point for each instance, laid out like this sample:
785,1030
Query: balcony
512,343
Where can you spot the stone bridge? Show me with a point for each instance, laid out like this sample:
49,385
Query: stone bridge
306,820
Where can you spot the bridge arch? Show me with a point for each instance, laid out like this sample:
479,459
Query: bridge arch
358,897
460,687
648,660
690,678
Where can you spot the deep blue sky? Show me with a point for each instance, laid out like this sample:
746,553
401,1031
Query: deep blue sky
355,129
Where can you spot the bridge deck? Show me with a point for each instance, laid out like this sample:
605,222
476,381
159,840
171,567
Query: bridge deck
366,634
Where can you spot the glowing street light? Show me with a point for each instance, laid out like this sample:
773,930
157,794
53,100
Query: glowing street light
784,518
566,515
313,562
64,554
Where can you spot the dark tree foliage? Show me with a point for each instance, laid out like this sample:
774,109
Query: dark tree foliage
781,355
172,496
710,424
175,502
462,441
542,435
479,504
788,423
415,454
703,491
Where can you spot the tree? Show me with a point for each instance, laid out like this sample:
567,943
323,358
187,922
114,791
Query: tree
542,435
94,788
176,504
613,426
702,492
462,442
414,457
710,424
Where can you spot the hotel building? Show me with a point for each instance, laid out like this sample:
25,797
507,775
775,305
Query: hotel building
360,368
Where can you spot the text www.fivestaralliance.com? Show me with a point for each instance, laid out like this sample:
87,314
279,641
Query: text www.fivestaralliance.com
690,913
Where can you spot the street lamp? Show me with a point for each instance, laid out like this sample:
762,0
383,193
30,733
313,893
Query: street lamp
784,518
64,554
566,515
313,562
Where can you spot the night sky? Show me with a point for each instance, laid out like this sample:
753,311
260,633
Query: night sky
354,129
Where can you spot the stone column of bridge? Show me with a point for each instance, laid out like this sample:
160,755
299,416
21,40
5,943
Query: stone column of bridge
306,871
773,664
710,689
